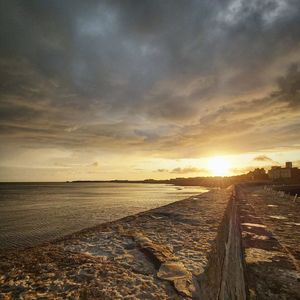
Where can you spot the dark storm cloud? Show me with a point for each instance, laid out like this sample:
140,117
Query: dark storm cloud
289,86
150,75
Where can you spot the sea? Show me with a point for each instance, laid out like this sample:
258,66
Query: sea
33,213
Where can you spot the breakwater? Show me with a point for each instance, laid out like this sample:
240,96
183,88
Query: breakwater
223,244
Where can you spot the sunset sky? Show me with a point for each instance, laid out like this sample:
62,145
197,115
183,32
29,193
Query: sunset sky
147,89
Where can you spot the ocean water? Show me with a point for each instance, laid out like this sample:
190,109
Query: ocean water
38,212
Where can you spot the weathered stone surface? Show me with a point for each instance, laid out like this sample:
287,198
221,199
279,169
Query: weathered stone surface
115,260
219,245
176,273
172,271
271,266
156,252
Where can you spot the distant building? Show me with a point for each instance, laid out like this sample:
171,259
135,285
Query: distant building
288,172
289,164
258,174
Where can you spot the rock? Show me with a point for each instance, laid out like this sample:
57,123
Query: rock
184,287
156,252
172,271
179,275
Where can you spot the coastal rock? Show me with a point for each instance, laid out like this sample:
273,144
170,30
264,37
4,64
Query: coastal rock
178,275
156,252
172,271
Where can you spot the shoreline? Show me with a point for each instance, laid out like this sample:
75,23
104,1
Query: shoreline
164,249
30,218
222,244
88,229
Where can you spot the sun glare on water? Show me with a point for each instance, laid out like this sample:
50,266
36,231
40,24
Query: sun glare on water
219,166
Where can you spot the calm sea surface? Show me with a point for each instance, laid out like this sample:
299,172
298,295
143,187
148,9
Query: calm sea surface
35,213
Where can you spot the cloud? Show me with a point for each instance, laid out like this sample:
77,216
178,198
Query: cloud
94,164
289,86
185,170
157,78
264,158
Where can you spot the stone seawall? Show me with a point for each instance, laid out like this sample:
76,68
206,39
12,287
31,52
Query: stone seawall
224,278
270,243
209,246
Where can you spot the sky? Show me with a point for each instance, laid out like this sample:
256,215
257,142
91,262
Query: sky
135,89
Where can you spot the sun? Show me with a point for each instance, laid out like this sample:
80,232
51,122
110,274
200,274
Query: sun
218,166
